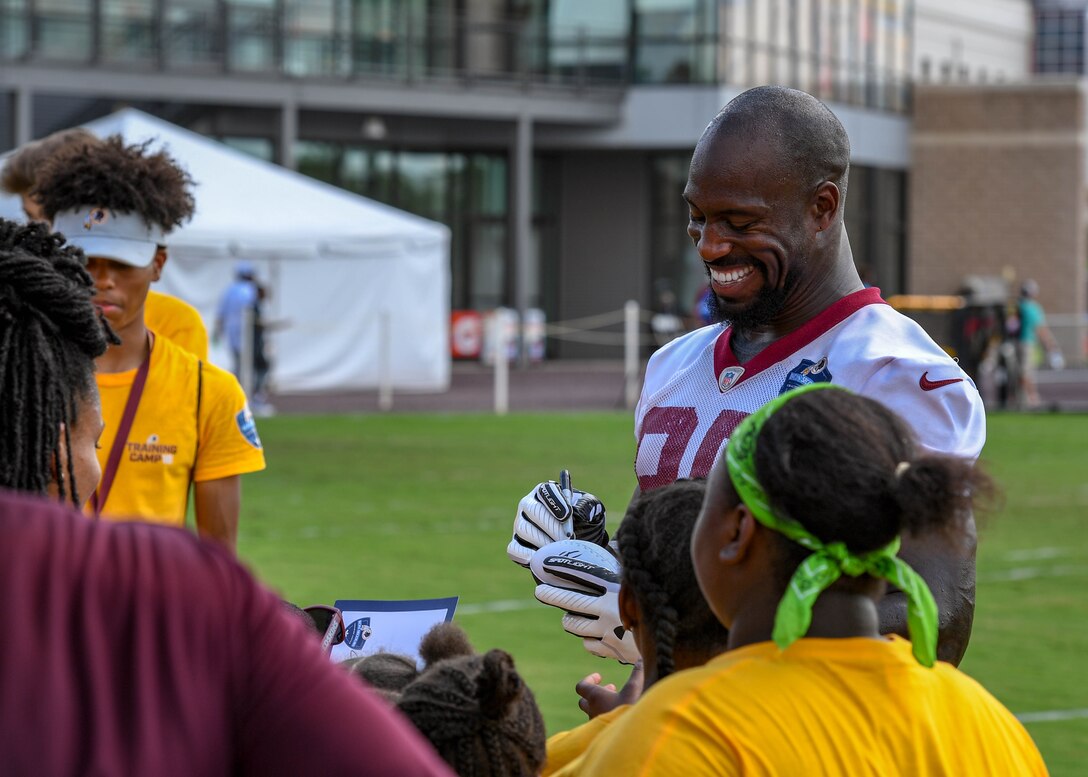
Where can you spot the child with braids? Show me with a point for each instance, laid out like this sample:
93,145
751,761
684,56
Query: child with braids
793,548
659,601
50,335
474,709
172,421
164,315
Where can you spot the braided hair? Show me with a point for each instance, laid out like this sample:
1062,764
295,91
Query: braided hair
476,711
655,550
50,335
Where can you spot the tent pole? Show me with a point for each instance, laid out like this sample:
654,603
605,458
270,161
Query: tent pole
24,116
288,134
523,225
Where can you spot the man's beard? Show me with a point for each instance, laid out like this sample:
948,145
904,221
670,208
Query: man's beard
768,303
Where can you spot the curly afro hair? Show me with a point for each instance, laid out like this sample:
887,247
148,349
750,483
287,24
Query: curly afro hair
123,178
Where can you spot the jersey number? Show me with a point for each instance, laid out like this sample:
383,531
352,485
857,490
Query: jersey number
678,424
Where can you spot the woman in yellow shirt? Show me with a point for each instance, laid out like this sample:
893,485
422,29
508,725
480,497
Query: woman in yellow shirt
794,546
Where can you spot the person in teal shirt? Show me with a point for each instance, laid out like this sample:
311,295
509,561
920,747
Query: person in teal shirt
1033,331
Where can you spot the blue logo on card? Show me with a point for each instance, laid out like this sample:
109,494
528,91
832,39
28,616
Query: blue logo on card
358,632
805,373
248,427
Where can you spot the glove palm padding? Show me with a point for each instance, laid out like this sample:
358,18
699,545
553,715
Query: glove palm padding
583,579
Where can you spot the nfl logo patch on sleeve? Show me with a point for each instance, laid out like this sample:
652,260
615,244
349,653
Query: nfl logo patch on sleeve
248,427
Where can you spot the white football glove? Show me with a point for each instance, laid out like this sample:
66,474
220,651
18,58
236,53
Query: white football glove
551,512
583,579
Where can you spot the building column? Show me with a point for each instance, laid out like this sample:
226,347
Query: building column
523,219
24,116
288,134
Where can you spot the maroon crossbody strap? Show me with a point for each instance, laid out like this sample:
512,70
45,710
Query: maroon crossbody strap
98,501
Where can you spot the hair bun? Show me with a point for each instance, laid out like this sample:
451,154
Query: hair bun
446,640
498,684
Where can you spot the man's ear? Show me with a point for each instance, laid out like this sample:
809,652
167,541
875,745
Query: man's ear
159,262
630,613
825,205
741,527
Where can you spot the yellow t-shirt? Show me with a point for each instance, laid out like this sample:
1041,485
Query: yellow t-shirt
566,746
176,320
821,707
168,445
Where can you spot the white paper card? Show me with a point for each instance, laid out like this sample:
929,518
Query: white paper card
391,626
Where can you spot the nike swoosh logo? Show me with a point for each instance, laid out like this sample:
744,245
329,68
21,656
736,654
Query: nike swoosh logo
926,384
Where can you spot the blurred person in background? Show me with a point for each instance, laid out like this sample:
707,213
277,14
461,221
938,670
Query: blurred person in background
1033,333
243,298
172,420
164,314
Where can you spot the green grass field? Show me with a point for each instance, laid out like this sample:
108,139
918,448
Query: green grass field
412,506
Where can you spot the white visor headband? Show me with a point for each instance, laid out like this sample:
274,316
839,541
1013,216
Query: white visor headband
107,234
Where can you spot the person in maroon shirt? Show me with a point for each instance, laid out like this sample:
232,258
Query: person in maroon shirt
133,649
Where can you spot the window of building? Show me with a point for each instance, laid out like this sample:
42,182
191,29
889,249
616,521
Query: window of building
1060,40
467,191
675,41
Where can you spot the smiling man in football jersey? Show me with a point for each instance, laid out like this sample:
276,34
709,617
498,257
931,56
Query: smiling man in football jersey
766,194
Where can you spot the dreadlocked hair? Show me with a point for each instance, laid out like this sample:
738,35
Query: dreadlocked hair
475,709
50,335
127,179
655,553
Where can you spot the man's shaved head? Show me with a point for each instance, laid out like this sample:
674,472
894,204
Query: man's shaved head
807,138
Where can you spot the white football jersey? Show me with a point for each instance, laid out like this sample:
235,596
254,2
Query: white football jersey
695,392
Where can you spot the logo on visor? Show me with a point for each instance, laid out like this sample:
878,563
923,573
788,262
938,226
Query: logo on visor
96,218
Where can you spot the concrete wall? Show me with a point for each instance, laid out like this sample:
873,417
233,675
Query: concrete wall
604,239
999,187
969,39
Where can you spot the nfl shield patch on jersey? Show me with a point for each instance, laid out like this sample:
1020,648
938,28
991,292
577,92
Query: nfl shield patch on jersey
248,427
805,373
729,377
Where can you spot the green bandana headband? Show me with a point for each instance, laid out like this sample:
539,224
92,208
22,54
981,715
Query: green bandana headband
828,561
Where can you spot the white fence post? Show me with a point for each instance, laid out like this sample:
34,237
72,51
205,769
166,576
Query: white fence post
501,341
245,354
385,362
630,352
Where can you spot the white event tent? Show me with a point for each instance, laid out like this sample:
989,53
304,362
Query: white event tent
336,264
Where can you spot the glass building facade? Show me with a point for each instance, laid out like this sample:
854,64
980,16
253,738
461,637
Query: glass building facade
1059,37
850,51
